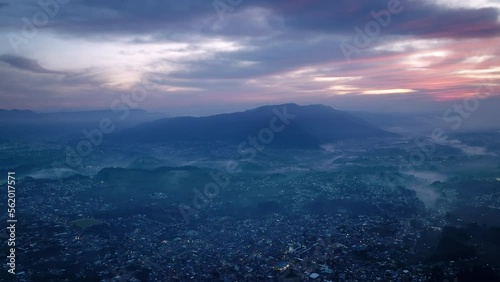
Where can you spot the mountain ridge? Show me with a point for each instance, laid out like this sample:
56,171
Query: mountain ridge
311,126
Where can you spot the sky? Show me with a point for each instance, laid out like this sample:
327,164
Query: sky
216,56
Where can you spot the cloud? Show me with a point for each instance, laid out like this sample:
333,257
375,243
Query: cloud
167,20
261,52
30,90
419,18
466,149
26,64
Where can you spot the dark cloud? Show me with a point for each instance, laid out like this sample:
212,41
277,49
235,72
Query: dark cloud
130,17
427,20
173,19
3,5
416,18
30,90
26,64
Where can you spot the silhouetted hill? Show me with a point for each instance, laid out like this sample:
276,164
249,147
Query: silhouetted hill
310,126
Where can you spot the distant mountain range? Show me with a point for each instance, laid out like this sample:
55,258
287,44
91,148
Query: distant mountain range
310,126
291,126
25,125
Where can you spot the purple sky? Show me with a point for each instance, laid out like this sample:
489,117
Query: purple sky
208,58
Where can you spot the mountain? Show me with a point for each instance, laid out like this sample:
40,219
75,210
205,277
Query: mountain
27,125
17,115
310,126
